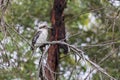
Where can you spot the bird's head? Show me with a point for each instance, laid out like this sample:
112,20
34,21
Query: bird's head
42,25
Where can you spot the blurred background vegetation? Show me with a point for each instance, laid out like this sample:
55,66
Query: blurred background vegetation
91,25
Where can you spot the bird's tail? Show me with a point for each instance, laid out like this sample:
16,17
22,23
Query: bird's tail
32,48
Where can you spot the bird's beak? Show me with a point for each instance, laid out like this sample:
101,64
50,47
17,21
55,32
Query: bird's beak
49,27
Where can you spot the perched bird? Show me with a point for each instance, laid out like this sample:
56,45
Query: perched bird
41,35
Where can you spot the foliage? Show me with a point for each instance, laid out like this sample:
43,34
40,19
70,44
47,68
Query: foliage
92,25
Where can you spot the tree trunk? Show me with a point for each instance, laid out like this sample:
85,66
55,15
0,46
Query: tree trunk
57,33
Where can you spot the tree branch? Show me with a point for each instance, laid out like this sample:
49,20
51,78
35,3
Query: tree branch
81,54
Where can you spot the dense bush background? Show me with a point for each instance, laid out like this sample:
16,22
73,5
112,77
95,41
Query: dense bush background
91,25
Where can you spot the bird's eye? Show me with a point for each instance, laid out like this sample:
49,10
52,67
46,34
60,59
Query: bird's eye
42,27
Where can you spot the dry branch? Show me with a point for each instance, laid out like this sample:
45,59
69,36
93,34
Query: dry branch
81,54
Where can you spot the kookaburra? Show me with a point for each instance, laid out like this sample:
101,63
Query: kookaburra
40,36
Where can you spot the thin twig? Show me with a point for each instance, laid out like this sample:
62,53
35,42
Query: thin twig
73,69
102,60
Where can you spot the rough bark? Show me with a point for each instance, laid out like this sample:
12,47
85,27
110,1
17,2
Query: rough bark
57,33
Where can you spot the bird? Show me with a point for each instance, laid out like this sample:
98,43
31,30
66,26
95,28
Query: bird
41,35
